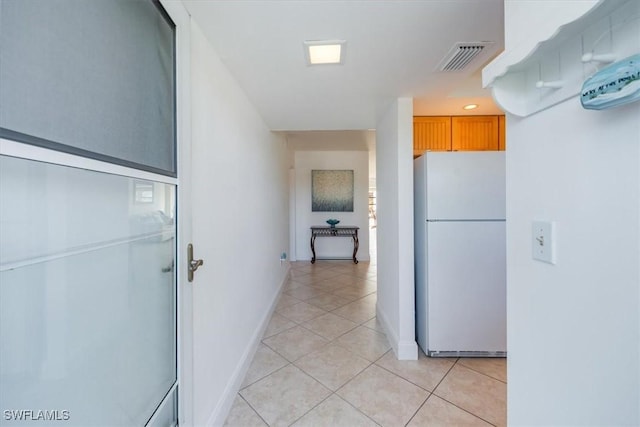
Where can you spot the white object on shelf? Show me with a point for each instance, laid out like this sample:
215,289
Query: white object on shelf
615,85
605,58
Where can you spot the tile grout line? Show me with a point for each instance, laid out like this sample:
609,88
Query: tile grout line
270,373
253,409
462,409
264,337
354,377
334,341
396,375
483,373
319,403
407,379
332,391
419,408
448,401
330,341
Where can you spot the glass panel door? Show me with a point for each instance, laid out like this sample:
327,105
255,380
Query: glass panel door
87,295
92,78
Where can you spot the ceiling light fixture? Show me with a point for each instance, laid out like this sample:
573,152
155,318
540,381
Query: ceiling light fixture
470,106
320,52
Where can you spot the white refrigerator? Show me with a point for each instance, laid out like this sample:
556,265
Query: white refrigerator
460,253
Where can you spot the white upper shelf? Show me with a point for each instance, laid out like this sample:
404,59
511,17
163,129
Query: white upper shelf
538,74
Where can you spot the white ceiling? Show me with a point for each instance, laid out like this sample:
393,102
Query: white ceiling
393,49
350,140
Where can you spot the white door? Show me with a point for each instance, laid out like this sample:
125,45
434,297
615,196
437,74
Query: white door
87,215
466,286
185,340
466,185
197,353
87,295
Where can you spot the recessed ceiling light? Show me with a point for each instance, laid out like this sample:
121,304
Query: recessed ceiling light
470,106
324,51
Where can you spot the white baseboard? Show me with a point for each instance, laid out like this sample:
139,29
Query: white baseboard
404,350
221,412
407,350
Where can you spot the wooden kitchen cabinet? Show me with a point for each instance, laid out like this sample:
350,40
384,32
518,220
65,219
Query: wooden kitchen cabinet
475,133
458,133
431,134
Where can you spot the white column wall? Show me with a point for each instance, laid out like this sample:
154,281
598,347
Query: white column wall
394,182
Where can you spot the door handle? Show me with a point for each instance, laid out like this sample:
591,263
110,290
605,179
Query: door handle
192,264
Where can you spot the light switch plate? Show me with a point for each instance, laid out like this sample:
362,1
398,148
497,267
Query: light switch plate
543,241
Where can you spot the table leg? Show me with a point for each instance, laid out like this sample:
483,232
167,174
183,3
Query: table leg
356,245
313,248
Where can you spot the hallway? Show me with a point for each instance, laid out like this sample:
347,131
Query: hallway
324,361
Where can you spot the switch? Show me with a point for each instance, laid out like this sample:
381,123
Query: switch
543,241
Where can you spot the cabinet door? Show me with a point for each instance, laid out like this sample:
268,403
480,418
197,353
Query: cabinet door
431,134
502,133
474,133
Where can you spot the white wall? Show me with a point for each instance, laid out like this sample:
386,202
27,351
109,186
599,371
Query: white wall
573,327
305,162
240,227
394,182
371,142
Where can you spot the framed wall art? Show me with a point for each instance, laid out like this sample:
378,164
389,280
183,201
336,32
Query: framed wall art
332,190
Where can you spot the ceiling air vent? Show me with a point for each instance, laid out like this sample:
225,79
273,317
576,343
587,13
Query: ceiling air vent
460,55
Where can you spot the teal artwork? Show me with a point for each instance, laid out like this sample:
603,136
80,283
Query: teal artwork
332,190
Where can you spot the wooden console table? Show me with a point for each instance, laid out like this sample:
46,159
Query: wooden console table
337,231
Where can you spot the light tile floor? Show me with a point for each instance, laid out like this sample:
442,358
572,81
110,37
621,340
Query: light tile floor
325,361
